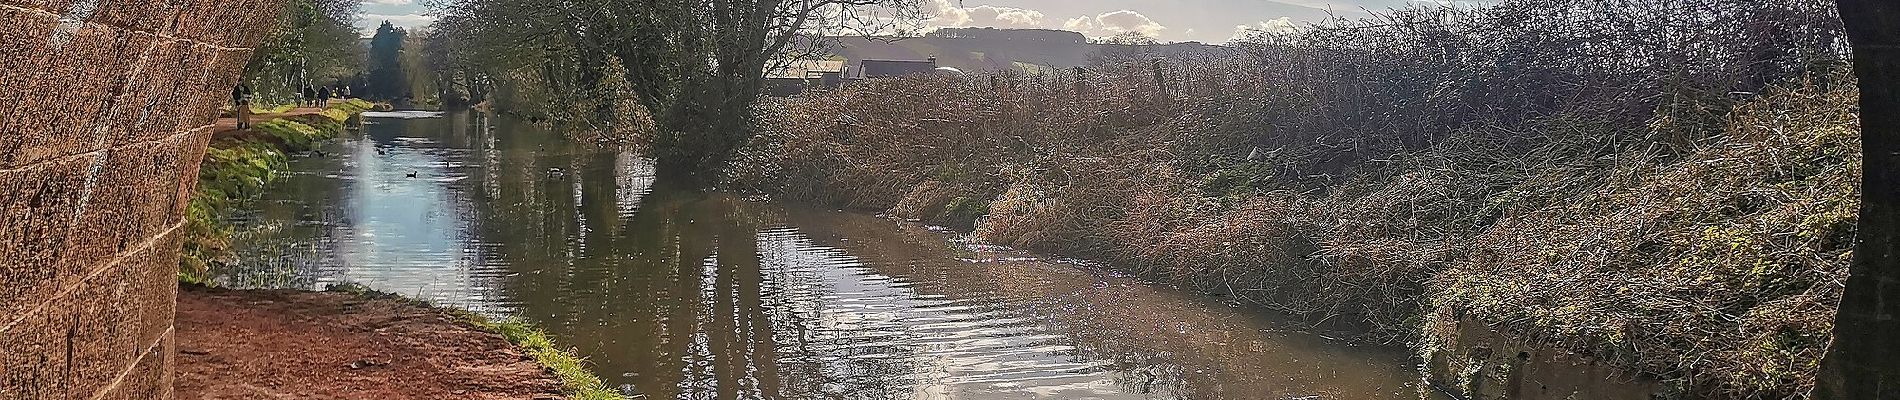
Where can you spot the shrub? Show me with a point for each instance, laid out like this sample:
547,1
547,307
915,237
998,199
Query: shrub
1656,182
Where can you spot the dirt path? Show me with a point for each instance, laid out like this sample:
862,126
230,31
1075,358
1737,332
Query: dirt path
230,124
301,345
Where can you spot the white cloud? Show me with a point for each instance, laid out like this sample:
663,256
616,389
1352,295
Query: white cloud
1005,17
946,14
369,22
949,13
1084,24
1116,23
1128,21
1279,25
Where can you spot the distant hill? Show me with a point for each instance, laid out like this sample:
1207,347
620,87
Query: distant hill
982,49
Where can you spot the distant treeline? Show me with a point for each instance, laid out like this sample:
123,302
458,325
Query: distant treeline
312,44
1041,35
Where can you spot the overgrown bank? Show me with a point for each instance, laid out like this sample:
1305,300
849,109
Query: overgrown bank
1589,177
238,165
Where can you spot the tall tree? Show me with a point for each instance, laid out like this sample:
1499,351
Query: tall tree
694,66
312,43
1864,361
386,77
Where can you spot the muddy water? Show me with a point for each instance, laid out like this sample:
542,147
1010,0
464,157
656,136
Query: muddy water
673,294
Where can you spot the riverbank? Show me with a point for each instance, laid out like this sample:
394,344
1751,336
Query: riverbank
240,163
1697,245
350,342
236,344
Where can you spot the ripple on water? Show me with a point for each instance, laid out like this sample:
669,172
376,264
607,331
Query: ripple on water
680,295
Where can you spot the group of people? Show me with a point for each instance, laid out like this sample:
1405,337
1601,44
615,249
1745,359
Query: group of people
309,96
320,96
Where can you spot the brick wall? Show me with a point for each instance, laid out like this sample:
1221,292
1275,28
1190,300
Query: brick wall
105,110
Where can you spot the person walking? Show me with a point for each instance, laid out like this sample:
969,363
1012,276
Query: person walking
309,96
241,104
323,96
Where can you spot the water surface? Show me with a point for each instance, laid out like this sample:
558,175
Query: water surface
675,294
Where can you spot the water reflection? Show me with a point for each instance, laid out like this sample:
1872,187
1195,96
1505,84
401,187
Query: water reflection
678,294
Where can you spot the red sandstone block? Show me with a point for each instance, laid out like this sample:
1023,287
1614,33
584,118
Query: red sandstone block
21,38
60,7
183,182
228,23
151,101
156,16
103,332
19,29
37,208
60,84
153,274
33,358
193,160
133,199
77,344
152,378
194,103
214,86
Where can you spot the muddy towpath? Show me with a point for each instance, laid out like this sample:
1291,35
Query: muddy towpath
308,345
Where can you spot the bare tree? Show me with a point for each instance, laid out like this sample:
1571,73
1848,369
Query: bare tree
695,66
1864,361
700,130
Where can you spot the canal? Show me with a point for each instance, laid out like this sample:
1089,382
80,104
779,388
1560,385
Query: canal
679,294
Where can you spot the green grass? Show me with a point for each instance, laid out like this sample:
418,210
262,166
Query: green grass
233,172
577,381
272,109
227,176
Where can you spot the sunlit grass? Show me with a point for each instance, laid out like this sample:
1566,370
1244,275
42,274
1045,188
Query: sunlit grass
235,171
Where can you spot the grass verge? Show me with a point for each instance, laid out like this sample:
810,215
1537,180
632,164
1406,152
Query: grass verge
237,167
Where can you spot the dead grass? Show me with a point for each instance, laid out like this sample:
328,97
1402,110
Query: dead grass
1679,205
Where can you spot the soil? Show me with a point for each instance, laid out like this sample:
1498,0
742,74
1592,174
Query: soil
303,345
225,124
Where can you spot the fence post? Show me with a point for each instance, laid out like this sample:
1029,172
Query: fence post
1161,80
1081,81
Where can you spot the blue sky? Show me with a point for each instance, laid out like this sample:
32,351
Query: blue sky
1213,21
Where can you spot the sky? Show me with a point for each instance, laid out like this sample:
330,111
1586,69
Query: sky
1210,21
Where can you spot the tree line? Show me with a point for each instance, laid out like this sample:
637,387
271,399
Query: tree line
677,77
314,45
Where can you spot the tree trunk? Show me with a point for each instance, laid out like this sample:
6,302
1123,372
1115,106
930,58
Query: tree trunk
1864,361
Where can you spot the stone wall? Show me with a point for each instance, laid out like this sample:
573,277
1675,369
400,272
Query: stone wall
105,110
